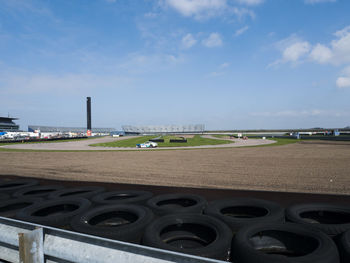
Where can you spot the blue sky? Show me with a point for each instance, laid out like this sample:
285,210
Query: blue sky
229,64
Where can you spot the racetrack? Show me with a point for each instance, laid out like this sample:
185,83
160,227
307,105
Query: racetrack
314,167
83,145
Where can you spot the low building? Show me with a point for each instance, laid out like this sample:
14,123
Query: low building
163,129
40,128
7,124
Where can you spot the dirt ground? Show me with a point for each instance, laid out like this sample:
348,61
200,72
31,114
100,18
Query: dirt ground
301,167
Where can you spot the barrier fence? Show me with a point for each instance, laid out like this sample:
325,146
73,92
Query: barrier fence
26,242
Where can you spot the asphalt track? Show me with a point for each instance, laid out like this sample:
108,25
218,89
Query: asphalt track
84,145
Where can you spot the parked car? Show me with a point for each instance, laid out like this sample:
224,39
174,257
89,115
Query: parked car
147,145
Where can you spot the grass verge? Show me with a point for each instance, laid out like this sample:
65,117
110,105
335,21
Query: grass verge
279,142
197,140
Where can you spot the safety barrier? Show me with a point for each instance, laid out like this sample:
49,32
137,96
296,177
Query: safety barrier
26,242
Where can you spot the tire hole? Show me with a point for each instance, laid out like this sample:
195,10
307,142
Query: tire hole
113,219
177,203
244,211
188,236
55,210
75,193
283,243
326,217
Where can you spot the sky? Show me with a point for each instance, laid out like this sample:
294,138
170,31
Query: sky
228,64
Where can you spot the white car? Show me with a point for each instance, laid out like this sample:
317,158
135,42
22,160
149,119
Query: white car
147,145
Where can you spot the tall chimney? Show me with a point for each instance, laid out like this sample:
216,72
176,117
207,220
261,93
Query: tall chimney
88,110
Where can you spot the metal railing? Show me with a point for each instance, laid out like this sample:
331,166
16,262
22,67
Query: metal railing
26,242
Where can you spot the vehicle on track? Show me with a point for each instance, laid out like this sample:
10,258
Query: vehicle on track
147,145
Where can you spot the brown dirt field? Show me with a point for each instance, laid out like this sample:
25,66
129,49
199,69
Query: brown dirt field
300,167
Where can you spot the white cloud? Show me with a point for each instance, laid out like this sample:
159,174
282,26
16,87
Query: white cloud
144,63
241,31
204,9
188,41
214,40
344,80
225,65
341,47
321,54
250,2
220,71
319,1
295,51
292,49
337,52
216,74
242,12
197,8
150,15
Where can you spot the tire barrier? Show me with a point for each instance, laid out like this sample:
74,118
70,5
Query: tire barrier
14,185
239,212
282,243
344,247
194,234
120,222
122,197
37,191
177,203
9,208
261,234
328,218
175,140
83,192
56,213
4,196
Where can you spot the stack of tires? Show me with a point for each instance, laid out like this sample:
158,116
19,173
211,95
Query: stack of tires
239,230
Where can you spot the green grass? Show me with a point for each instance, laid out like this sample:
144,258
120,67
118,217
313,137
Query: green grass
125,143
225,136
279,142
197,140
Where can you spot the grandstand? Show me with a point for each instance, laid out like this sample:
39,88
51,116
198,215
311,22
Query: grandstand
33,128
163,129
7,124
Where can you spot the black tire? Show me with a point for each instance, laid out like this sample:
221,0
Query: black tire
120,222
122,197
239,212
4,196
282,243
343,243
83,192
177,203
14,185
194,234
37,191
332,219
56,213
9,208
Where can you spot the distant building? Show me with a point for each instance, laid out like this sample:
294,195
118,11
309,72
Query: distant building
33,128
7,124
163,129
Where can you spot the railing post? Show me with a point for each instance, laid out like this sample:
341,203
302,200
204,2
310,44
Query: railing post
30,246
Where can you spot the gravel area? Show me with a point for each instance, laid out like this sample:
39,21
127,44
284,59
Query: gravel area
301,167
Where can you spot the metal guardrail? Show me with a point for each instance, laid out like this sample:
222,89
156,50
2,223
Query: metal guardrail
26,242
